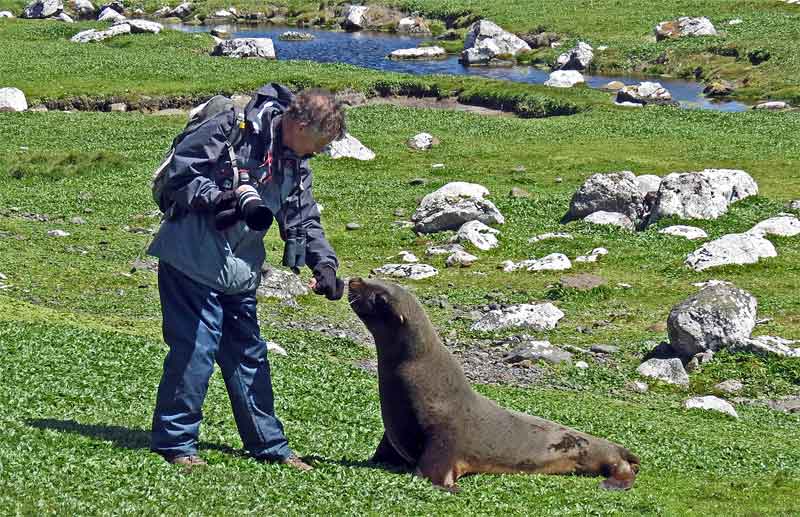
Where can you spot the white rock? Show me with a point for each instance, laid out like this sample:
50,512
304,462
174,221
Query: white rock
144,26
578,58
276,348
687,232
64,17
550,236
711,403
419,53
648,183
485,41
644,93
685,27
445,249
182,10
453,205
478,234
90,35
610,218
109,15
460,258
7,14
772,105
734,185
12,99
543,316
730,386
43,8
408,257
412,25
57,233
733,249
421,141
223,13
768,346
410,271
261,48
670,371
736,21
564,79
582,365
538,351
639,386
349,147
607,192
593,256
354,17
552,262
782,226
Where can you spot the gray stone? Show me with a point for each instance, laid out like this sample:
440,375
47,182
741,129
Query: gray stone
711,403
422,141
564,79
610,192
593,256
790,404
118,107
666,370
413,25
781,226
687,232
182,10
296,36
543,316
77,220
538,351
43,8
712,319
110,15
349,147
486,41
604,349
730,386
409,271
92,35
352,226
478,234
64,17
644,93
772,106
648,183
453,205
638,386
281,284
610,218
461,259
444,249
12,99
582,281
273,347
354,17
550,236
685,27
613,86
408,257
57,233
552,262
578,58
768,346
144,27
582,365
733,249
795,205
261,48
419,53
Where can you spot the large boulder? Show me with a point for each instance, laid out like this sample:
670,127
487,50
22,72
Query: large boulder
261,48
349,147
486,41
578,58
644,93
453,205
610,192
732,249
544,316
354,17
43,9
648,183
712,319
685,27
12,99
564,79
92,35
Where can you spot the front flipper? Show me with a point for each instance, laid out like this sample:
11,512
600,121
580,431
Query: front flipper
387,455
437,465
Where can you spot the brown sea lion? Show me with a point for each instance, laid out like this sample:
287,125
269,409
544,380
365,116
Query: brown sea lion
435,423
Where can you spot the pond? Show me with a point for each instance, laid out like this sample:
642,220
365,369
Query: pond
369,50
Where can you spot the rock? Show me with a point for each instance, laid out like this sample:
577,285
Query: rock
7,14
478,234
552,262
730,386
445,249
352,226
543,316
773,105
538,351
610,192
453,205
349,147
43,9
644,93
767,346
790,404
222,13
91,35
413,25
296,36
613,86
610,218
582,281
77,220
57,233
795,205
486,42
274,347
419,53
144,26
118,107
549,236
648,183
582,365
437,166
666,370
604,349
519,193
699,360
638,386
410,271
781,226
593,256
281,284
262,48
422,141
685,27
110,15
733,249
64,17
578,58
720,88
354,17
564,79
460,258
687,232
182,10
736,21
12,99
711,403
712,319
408,257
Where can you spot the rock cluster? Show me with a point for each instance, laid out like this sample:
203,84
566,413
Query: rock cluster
644,93
452,206
487,43
544,316
296,36
578,58
262,48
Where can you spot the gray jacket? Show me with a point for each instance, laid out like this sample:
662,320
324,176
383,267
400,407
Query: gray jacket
230,261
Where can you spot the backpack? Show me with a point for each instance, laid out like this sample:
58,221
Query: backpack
197,117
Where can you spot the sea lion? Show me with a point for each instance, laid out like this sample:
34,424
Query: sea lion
436,424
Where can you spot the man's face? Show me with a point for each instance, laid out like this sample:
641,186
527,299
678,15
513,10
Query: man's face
304,140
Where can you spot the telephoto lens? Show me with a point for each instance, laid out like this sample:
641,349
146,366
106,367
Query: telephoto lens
255,214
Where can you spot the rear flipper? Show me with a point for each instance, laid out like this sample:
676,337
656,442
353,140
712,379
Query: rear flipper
388,456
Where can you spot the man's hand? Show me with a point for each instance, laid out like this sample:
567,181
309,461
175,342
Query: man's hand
326,282
225,211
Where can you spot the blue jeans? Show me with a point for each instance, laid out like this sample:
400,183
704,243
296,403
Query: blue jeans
201,326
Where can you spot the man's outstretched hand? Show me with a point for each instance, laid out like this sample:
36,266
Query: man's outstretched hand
326,282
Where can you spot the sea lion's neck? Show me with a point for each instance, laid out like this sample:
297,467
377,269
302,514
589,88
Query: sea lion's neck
416,339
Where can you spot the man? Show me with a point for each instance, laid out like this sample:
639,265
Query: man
211,250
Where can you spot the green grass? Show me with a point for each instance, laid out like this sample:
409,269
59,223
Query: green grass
82,351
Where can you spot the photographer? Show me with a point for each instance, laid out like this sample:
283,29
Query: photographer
222,199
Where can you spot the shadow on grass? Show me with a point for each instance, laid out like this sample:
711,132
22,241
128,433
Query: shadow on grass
122,437
364,464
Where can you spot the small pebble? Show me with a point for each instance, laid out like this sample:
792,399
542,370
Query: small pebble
77,220
583,365
57,233
437,166
353,226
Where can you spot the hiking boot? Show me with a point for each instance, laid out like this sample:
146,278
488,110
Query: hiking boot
190,461
295,462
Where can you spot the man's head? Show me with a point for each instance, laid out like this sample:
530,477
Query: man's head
312,121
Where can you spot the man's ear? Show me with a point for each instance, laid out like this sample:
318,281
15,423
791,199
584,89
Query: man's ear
385,306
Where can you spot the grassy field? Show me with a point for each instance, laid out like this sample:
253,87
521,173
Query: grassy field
82,350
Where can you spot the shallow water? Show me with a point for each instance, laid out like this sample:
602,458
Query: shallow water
369,50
